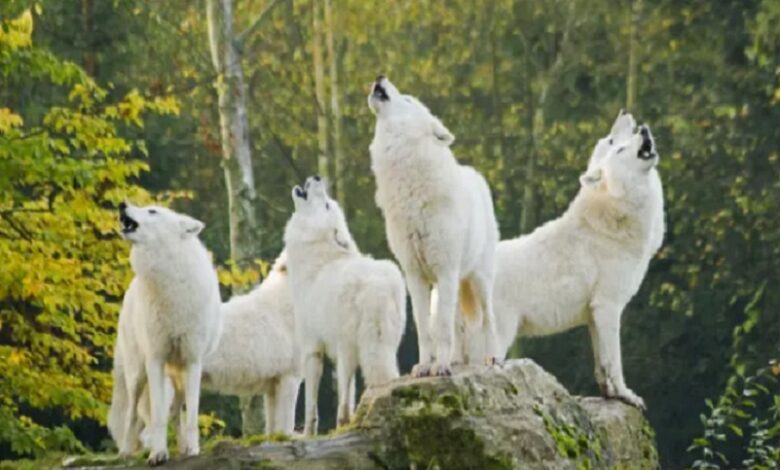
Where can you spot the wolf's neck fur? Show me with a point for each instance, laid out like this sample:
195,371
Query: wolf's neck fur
174,264
630,222
402,164
308,257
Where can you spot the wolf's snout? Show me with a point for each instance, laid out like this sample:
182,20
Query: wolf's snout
129,225
379,92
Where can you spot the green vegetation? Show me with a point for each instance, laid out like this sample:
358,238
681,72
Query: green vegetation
106,100
573,442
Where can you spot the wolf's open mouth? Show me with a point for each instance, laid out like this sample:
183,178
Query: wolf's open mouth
300,192
380,93
647,150
128,224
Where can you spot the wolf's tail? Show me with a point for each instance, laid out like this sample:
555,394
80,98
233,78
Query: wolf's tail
380,331
467,301
468,305
119,401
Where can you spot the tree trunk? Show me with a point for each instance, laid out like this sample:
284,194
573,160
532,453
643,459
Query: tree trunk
631,81
339,163
323,163
89,59
236,159
234,129
528,219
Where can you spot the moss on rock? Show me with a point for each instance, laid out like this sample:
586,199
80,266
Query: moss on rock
513,416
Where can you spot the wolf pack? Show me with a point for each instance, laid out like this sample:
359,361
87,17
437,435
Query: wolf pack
471,295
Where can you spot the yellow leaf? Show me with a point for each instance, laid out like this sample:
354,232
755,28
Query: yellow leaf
19,31
9,120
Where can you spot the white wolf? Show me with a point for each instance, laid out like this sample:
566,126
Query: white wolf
169,321
257,354
439,220
347,305
584,267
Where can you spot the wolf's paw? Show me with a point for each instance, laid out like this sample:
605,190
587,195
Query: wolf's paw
189,443
421,370
157,458
442,370
631,398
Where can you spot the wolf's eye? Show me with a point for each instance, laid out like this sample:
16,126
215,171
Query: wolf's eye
327,206
152,211
621,149
610,141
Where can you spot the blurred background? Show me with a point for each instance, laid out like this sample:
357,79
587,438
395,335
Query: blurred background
219,107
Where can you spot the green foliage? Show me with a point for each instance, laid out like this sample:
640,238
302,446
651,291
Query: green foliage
747,412
61,169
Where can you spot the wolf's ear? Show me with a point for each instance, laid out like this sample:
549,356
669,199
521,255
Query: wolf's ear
590,178
441,133
189,226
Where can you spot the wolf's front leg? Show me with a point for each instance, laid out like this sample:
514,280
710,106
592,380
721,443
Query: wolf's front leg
420,292
133,425
157,435
443,322
606,318
312,375
192,376
346,364
598,370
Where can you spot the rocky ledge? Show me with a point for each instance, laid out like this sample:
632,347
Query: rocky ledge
512,416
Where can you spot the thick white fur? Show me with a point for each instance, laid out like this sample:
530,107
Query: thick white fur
584,267
257,354
439,220
348,306
169,321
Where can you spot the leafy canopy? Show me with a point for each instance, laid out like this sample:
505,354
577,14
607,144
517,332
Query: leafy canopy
62,168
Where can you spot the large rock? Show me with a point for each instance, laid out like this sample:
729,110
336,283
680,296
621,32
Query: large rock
513,416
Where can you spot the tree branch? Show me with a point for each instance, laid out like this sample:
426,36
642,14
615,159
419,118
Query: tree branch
16,227
244,35
211,24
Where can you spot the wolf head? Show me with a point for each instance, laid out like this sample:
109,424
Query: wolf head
622,162
154,225
621,131
405,114
317,219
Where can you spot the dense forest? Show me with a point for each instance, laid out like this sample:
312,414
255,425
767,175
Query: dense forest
218,107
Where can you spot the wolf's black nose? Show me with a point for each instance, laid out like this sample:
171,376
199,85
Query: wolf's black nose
380,77
122,206
316,178
645,131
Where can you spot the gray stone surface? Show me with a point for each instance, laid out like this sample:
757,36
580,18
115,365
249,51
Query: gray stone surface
510,416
